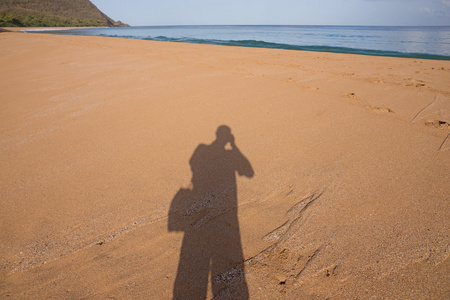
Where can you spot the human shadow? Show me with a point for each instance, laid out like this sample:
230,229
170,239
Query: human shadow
207,214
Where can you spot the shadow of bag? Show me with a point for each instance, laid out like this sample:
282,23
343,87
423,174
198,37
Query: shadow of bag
179,219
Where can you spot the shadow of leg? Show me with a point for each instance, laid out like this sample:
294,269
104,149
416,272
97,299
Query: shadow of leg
193,270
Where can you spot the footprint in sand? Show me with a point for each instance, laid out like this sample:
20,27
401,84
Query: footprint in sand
380,109
311,88
415,83
438,124
378,81
351,95
436,114
440,69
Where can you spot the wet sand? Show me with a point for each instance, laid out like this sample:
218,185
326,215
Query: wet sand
348,195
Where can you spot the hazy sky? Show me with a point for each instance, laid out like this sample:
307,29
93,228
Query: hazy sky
277,12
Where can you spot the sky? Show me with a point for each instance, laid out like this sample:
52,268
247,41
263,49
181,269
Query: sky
278,12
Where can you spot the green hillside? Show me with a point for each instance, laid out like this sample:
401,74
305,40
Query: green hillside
53,13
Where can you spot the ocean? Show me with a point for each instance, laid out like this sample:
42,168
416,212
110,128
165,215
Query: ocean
413,42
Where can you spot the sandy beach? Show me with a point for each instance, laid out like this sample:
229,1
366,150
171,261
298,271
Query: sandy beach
301,175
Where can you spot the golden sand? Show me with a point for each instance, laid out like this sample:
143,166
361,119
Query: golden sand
348,194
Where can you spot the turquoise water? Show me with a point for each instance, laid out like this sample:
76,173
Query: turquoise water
414,42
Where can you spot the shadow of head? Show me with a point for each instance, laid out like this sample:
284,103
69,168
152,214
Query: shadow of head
223,135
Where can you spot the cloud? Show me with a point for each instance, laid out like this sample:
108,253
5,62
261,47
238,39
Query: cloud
445,2
433,12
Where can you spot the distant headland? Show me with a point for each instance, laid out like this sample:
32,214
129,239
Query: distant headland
51,13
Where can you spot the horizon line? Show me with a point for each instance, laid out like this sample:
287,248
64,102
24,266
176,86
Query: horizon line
291,25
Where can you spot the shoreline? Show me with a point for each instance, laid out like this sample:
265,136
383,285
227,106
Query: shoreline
270,45
350,156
